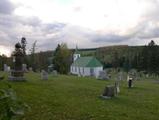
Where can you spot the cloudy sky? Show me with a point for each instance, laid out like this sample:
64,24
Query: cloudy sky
86,23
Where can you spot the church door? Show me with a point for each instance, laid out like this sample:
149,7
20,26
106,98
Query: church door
92,71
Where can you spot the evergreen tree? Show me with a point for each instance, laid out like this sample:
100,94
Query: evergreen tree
32,56
116,61
152,60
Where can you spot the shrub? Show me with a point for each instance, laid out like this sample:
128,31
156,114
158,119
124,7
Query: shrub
10,107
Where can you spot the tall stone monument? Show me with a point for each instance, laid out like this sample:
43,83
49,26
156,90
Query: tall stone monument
17,73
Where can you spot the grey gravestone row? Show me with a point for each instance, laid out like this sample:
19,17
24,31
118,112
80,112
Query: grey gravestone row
44,74
103,75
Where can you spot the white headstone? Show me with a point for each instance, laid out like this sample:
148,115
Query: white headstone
54,72
24,67
120,76
30,69
103,75
5,68
8,68
44,75
117,87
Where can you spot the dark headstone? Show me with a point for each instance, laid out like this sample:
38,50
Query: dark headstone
109,91
130,83
130,80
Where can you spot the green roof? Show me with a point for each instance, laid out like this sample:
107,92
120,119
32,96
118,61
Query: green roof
87,62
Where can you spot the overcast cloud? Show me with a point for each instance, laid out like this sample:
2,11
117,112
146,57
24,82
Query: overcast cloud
83,23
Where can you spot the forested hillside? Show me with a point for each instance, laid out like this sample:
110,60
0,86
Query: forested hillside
142,58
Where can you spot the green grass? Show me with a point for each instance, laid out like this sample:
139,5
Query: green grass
77,98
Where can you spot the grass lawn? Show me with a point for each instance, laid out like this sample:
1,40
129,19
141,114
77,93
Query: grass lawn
77,98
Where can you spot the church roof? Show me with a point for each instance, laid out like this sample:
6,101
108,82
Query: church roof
87,62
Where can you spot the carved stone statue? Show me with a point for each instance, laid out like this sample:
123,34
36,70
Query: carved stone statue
18,57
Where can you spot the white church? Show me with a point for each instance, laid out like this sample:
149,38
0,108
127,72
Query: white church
85,66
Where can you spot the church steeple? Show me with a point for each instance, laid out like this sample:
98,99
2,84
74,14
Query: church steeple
76,54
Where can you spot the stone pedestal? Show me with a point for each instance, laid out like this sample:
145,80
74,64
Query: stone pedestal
16,76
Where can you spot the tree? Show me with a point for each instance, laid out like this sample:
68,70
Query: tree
62,59
148,58
152,54
152,43
3,60
32,56
116,61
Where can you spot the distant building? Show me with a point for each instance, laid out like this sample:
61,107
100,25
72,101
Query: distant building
85,66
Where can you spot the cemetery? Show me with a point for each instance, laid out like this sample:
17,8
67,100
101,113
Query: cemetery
68,97
79,60
81,90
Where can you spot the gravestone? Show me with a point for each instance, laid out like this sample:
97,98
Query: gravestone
24,67
54,72
44,75
30,69
109,92
117,89
50,68
17,73
130,82
120,76
103,75
133,74
8,69
5,68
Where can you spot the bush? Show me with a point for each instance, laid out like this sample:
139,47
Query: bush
10,107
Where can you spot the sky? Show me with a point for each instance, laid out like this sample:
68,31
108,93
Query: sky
85,23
